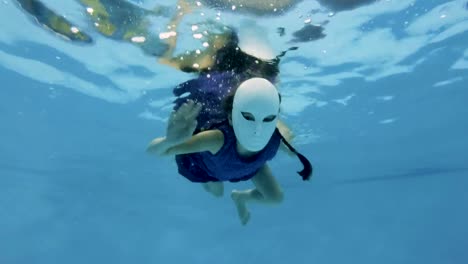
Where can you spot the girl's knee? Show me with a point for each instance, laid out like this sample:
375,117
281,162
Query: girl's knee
215,188
275,197
279,197
218,189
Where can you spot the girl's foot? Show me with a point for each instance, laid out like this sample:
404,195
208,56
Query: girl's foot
244,214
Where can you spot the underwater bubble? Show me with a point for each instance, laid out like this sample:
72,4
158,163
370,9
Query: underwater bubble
388,121
75,30
443,12
138,39
165,35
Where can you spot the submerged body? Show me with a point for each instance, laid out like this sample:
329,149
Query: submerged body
225,124
237,149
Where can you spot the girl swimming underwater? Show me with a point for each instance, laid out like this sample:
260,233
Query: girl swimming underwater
236,149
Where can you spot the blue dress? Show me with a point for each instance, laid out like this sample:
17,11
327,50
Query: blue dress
226,164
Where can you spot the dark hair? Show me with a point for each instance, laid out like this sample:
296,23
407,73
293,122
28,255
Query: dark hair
232,58
227,103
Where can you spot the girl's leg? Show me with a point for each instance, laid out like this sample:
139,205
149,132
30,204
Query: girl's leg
267,190
215,188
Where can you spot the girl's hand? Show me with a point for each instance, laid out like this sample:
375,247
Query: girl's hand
183,122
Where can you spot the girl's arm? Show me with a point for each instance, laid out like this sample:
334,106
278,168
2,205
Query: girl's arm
210,140
285,131
287,134
180,138
173,25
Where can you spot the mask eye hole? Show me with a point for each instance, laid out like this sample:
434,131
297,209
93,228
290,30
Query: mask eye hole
248,116
269,118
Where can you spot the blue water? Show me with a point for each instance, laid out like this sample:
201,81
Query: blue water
379,106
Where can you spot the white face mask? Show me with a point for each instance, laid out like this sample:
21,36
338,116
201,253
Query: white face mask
255,112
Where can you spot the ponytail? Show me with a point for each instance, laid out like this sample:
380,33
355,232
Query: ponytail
306,172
